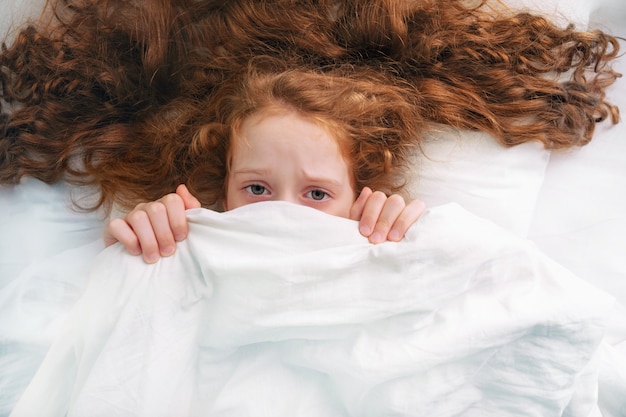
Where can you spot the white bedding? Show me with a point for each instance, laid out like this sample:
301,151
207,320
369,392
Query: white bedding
568,204
280,310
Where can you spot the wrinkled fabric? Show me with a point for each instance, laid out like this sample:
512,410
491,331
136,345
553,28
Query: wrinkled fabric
46,250
280,310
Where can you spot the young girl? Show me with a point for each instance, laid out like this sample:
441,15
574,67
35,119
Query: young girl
313,137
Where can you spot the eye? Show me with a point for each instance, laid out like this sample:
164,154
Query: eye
317,195
256,189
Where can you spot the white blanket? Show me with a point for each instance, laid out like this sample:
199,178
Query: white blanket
281,310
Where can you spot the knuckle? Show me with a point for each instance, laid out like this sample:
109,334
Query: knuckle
135,216
170,199
379,195
396,201
156,208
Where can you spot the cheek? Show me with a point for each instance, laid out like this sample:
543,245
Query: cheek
232,203
235,198
347,207
229,202
342,206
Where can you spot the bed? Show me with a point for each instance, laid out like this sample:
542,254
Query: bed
435,325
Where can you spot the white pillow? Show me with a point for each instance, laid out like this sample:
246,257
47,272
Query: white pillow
472,169
561,11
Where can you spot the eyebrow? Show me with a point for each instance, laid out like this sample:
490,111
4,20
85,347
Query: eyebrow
251,172
322,180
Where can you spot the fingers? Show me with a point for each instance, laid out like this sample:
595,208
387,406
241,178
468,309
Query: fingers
407,218
152,229
141,224
383,218
189,200
169,224
168,219
356,211
379,216
118,230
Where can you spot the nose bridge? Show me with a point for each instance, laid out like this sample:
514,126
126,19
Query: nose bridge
286,192
285,195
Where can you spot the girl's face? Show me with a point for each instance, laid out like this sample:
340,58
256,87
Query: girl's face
286,157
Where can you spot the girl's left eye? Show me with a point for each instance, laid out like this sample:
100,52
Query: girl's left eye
256,189
317,195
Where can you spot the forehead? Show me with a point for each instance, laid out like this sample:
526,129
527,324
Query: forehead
289,143
287,123
285,130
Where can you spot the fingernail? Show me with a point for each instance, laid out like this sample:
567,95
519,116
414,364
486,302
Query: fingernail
152,258
180,237
168,250
395,235
365,231
376,237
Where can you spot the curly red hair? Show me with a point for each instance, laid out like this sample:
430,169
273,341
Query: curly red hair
108,93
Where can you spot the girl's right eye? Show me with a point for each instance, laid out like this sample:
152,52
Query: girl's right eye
256,189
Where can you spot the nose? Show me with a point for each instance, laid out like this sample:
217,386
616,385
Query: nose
287,196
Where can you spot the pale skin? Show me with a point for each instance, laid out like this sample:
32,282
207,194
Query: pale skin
276,156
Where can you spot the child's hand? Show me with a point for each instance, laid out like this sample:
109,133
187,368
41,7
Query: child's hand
152,229
383,218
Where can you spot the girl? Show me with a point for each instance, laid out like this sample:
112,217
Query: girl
316,137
